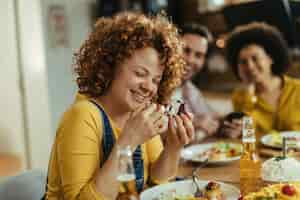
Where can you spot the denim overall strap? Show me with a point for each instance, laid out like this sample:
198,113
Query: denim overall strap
138,163
108,139
107,145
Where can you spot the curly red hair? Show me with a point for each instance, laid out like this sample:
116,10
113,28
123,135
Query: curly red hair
115,39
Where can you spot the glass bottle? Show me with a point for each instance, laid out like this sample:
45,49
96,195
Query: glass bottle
126,174
250,164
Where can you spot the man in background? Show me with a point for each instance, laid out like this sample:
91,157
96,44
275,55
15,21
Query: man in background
196,40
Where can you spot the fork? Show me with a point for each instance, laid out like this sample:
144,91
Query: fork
198,192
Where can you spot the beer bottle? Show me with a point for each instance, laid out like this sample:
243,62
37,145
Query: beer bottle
250,164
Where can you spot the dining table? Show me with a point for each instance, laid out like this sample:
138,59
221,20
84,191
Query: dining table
226,173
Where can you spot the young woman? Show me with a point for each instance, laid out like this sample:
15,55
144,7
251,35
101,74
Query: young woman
127,68
259,57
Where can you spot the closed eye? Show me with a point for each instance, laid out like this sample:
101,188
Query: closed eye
199,54
140,73
255,58
187,50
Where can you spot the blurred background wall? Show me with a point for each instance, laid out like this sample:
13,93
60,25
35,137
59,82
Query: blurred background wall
74,17
38,39
11,118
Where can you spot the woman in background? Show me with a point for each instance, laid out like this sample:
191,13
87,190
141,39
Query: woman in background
127,68
259,57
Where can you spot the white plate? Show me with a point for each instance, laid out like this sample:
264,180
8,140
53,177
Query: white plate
186,187
267,139
191,154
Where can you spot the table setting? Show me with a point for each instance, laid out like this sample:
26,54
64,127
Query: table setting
201,166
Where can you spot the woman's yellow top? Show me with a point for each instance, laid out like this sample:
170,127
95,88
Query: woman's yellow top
283,118
77,152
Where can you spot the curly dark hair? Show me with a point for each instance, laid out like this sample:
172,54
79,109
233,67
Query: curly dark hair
115,39
263,35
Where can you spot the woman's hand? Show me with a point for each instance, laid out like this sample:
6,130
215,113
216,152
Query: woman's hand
143,124
232,129
180,131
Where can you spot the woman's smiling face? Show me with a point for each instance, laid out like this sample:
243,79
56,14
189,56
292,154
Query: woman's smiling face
137,79
254,64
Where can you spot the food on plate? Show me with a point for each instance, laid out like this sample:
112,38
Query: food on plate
289,191
212,191
222,151
240,197
281,169
276,139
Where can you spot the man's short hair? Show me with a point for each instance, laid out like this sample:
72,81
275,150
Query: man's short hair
193,28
